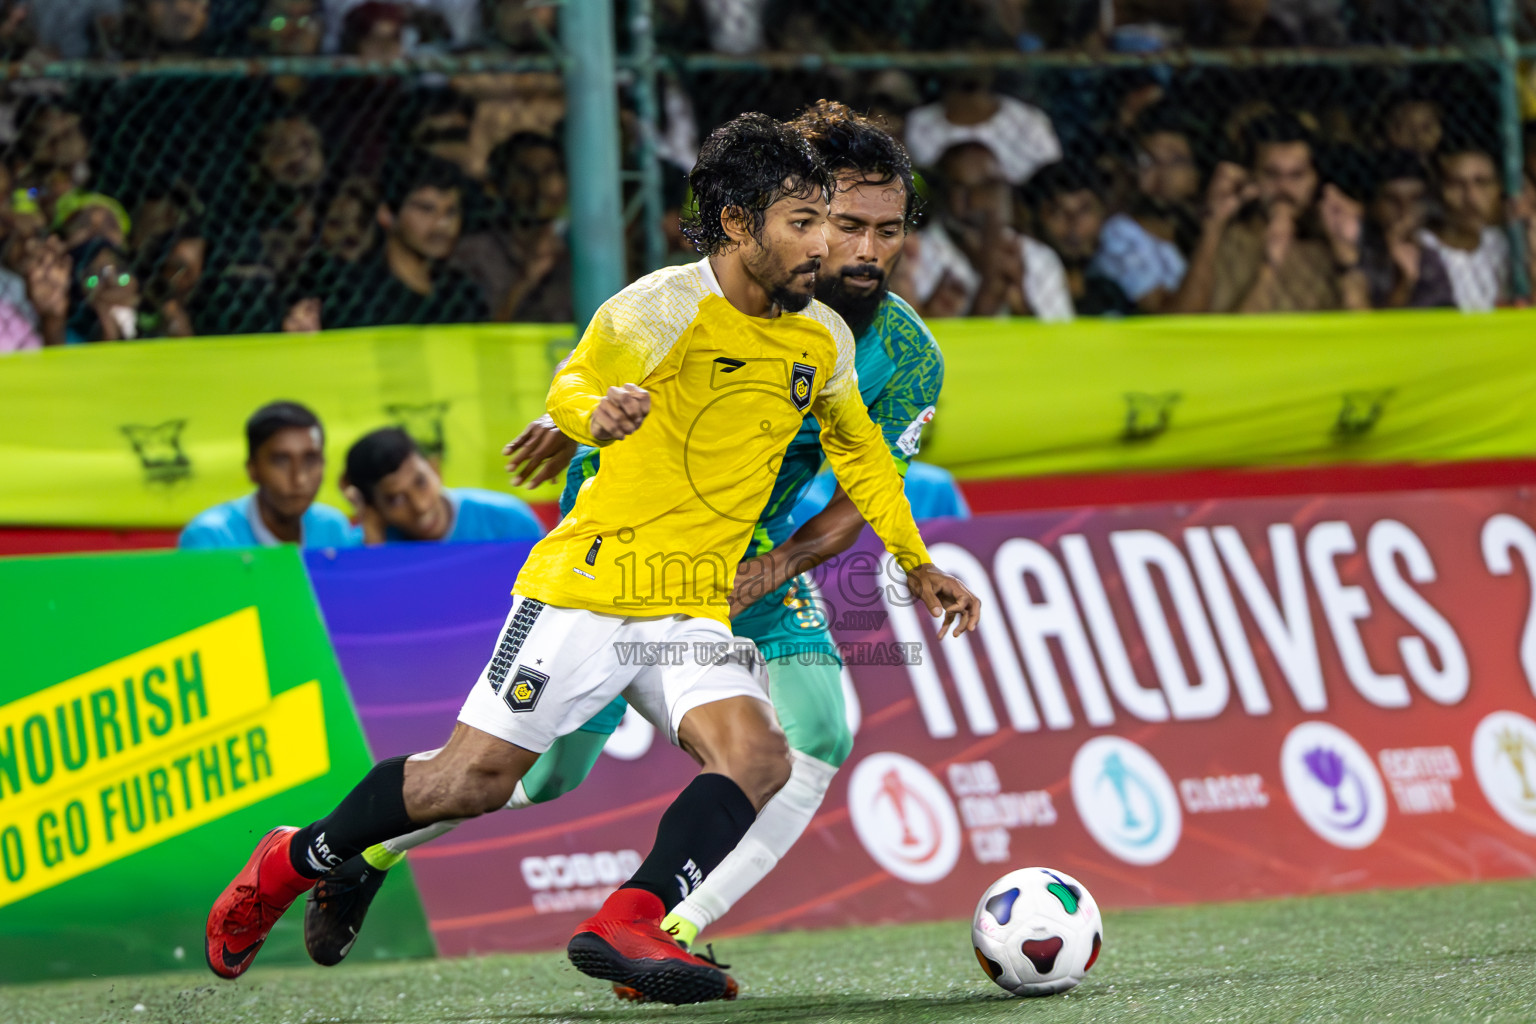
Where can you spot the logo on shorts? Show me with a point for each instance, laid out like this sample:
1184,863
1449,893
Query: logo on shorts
904,817
523,693
801,379
1126,800
1504,757
1333,784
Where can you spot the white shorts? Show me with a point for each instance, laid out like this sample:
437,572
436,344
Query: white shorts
554,668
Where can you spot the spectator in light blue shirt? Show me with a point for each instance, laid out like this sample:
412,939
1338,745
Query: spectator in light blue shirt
931,491
285,447
400,497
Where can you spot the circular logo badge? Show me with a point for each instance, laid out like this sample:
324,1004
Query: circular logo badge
1126,800
904,817
1333,785
1504,758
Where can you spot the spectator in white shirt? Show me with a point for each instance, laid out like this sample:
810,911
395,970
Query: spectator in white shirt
1469,238
970,261
1019,135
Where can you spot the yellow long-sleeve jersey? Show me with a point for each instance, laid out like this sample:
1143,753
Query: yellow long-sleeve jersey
660,527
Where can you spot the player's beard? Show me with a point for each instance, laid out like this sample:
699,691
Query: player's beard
857,309
778,281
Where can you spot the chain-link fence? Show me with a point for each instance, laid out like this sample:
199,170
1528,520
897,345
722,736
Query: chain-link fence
1080,157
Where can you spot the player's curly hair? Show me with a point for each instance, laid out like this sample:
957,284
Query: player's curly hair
750,162
848,141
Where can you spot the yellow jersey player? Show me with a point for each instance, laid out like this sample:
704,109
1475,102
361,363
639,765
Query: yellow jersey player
693,380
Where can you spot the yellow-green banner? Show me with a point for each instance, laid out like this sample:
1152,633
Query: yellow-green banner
150,434
1157,393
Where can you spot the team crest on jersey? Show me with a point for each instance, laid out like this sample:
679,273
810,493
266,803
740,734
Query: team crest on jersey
801,379
525,689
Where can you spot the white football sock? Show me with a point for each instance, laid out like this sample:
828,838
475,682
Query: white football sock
779,824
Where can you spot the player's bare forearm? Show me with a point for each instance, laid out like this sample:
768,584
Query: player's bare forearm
830,532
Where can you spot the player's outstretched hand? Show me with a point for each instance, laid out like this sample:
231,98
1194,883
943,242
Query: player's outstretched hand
947,596
620,413
541,452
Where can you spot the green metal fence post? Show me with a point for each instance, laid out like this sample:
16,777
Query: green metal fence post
592,148
642,33
1503,12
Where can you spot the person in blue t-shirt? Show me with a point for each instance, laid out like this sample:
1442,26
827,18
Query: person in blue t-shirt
399,496
285,459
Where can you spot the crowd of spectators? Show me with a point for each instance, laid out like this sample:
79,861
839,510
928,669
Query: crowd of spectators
187,204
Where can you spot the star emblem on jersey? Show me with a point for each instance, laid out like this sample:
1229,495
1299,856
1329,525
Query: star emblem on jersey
801,379
526,687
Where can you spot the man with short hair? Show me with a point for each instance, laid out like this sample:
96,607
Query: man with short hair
1142,249
409,280
692,379
285,447
1400,270
1469,238
1272,240
970,261
400,496
1070,212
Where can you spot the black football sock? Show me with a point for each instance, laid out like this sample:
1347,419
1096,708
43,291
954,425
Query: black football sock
373,812
704,823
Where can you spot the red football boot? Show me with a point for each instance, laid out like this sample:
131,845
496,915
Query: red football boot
623,943
245,912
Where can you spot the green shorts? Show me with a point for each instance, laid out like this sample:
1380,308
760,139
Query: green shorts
790,622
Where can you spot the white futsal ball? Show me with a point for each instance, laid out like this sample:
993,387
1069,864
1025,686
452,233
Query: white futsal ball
1037,931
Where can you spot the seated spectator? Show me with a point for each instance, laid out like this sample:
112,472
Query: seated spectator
81,216
105,297
290,28
1271,240
1070,214
18,31
931,491
1400,270
285,459
374,30
969,260
399,496
152,29
521,262
52,153
174,298
1411,122
1019,135
388,31
409,281
36,278
70,28
1469,237
1142,250
349,232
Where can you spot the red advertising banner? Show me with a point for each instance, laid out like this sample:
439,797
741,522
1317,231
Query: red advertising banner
1173,703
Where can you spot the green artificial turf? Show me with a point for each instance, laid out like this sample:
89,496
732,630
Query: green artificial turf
1460,953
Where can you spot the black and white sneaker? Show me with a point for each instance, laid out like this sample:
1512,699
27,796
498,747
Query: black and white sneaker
336,909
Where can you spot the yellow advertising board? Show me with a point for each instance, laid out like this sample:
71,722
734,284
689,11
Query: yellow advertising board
150,434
